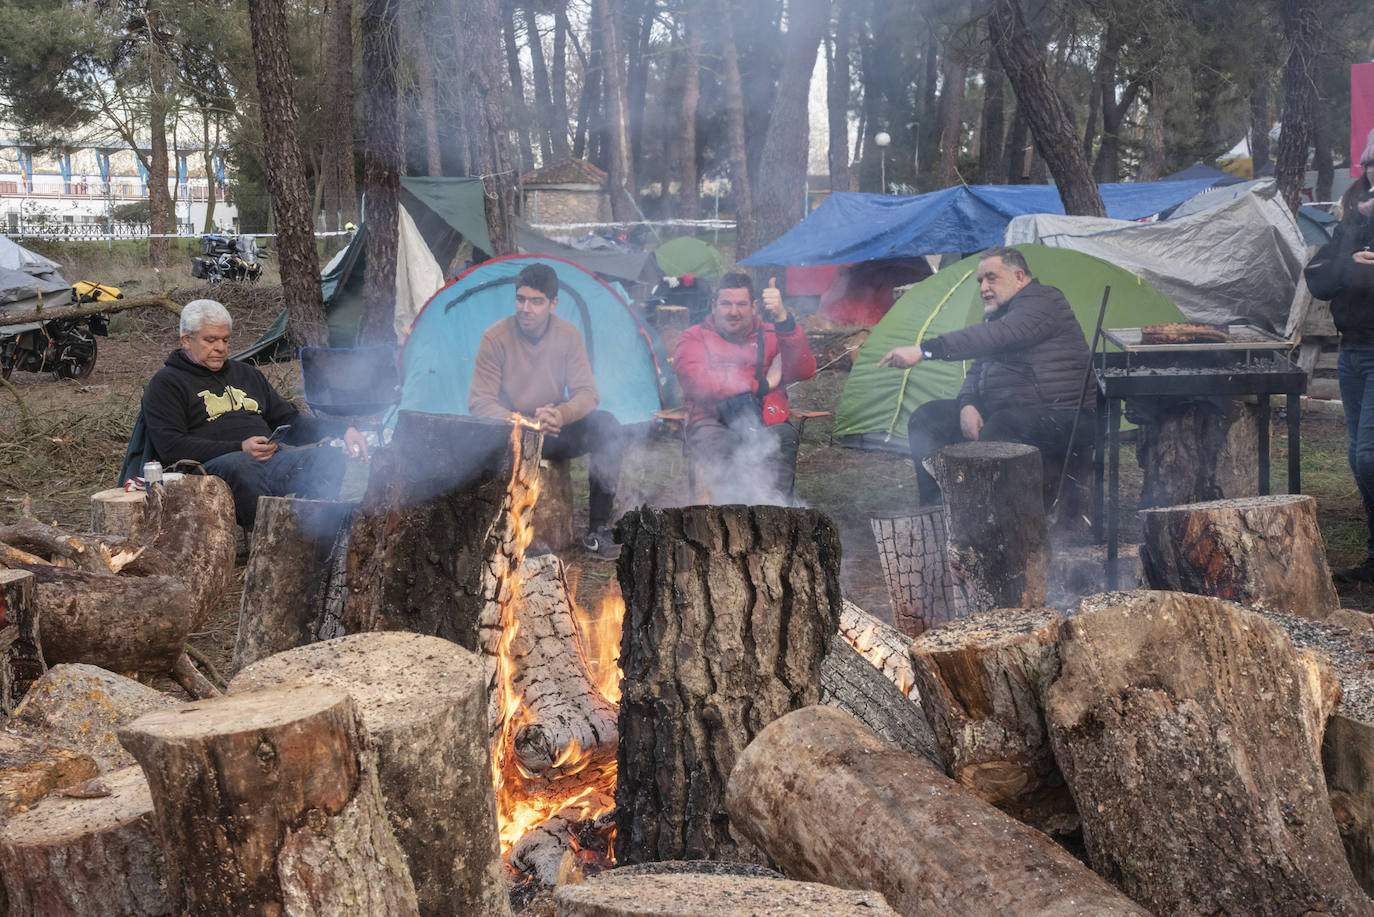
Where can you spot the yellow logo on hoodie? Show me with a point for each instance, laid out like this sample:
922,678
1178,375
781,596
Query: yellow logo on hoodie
233,399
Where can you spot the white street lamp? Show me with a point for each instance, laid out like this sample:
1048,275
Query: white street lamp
881,140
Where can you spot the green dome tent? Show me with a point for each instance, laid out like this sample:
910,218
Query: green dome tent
877,401
687,255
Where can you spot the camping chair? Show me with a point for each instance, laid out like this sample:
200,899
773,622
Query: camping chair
357,382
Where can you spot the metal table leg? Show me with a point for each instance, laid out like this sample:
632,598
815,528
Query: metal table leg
1295,442
1099,464
1113,489
1263,425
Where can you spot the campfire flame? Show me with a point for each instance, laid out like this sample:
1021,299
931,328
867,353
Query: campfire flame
525,801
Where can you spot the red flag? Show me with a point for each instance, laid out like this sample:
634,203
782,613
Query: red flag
1361,113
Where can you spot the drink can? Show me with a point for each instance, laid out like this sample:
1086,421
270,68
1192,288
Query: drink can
152,472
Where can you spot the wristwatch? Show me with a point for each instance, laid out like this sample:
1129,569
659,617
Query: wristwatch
926,354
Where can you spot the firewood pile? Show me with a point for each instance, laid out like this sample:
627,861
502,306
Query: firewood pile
1146,752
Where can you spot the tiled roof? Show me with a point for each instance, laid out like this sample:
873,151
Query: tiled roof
565,171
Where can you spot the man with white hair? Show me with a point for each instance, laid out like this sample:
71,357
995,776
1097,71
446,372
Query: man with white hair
222,413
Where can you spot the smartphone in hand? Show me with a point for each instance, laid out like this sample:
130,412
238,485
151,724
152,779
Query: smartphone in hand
280,434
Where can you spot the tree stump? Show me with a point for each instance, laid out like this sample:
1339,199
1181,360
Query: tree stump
553,514
121,623
995,519
1189,730
268,803
299,548
982,681
30,769
79,708
913,549
1194,451
434,539
94,850
687,895
729,611
119,512
423,703
1262,551
194,537
829,801
22,662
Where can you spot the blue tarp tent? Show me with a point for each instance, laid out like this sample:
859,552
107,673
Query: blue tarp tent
439,353
849,227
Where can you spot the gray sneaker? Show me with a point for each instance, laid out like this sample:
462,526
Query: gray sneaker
600,543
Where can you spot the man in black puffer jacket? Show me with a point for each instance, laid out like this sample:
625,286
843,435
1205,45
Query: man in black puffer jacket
1029,372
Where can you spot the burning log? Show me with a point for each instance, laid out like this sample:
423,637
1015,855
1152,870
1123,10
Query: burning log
91,850
982,682
30,769
1179,720
885,647
566,725
995,516
544,851
687,895
21,661
1265,552
423,703
298,551
268,802
1192,451
80,707
118,512
729,612
829,801
433,541
913,548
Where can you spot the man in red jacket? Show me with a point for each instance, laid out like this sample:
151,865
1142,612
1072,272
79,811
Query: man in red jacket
734,369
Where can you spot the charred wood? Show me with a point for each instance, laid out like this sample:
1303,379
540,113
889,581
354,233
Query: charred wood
22,662
913,549
851,683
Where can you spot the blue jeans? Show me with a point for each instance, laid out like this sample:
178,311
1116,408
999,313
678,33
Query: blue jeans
312,472
1355,370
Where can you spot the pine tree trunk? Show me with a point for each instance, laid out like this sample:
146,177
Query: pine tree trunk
560,120
1154,156
515,74
1044,110
685,142
952,116
992,165
159,198
621,179
429,103
1259,118
341,204
489,135
384,161
543,100
746,232
729,612
837,95
295,243
1301,26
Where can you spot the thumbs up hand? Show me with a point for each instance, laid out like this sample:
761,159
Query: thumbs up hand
772,301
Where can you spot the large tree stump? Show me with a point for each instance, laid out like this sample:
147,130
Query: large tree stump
30,769
121,623
995,518
729,611
299,548
21,659
94,851
119,512
268,803
688,895
1266,552
423,703
194,537
829,801
442,527
1188,730
80,707
913,549
1194,451
982,681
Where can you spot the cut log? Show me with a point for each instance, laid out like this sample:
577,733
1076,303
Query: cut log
185,673
995,519
982,682
1180,721
829,801
80,707
268,803
120,623
851,683
195,538
119,512
30,769
685,895
433,540
546,851
423,703
729,612
913,549
1194,451
68,309
553,514
297,547
95,851
23,662
567,727
1265,552
887,648
83,552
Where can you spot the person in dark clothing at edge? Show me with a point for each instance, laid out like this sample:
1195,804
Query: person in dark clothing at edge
1028,376
221,413
535,364
1342,271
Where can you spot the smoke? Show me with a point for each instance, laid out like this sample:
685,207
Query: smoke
748,466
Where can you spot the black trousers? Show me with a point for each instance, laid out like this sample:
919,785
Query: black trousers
598,435
936,423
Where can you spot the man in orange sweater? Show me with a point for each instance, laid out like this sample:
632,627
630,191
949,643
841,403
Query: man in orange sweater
535,364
